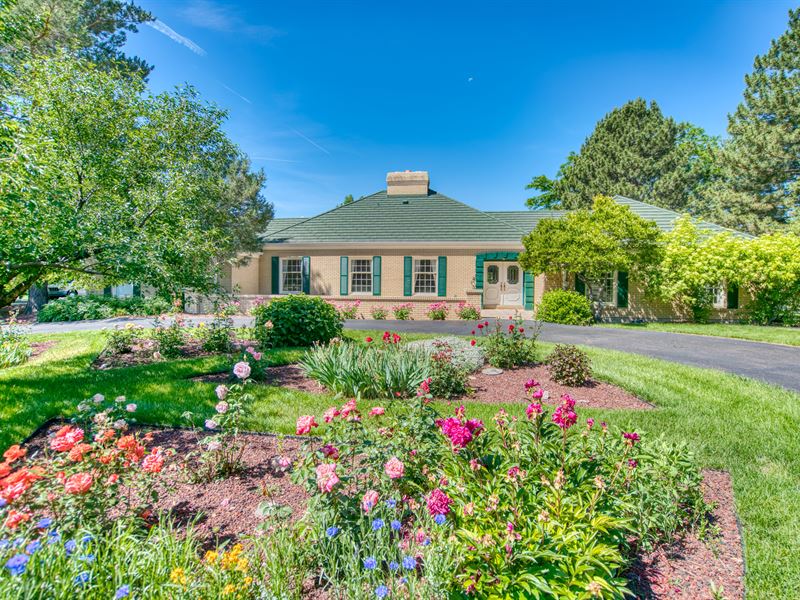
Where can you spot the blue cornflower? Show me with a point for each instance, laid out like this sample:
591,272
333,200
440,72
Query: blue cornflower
396,525
53,537
86,539
4,543
393,566
82,578
370,563
409,562
33,546
403,580
122,592
3,502
16,564
18,542
70,546
426,542
44,523
381,591
391,503
377,524
440,519
89,558
331,531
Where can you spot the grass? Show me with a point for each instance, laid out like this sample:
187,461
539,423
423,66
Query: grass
746,427
789,336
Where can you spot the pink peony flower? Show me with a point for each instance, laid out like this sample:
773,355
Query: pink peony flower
330,451
154,462
211,424
369,501
326,477
438,502
394,468
221,391
330,414
534,409
79,483
131,407
241,370
590,422
377,411
222,407
347,408
305,423
631,438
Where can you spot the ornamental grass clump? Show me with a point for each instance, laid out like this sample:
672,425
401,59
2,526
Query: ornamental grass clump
374,369
544,505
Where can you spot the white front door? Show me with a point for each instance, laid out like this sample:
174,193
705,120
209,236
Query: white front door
502,284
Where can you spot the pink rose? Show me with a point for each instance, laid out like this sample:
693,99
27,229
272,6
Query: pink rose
241,370
305,423
330,451
394,468
330,414
221,391
131,407
222,407
153,463
369,501
79,483
377,411
326,477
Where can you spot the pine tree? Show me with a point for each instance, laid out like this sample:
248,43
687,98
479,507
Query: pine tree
633,151
762,159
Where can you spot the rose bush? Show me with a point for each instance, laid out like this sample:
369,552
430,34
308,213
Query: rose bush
507,345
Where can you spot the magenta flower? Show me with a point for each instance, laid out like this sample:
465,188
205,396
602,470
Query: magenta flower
531,383
330,414
631,438
590,422
534,409
438,502
330,451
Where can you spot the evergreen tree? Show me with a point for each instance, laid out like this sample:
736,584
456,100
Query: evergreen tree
634,151
762,159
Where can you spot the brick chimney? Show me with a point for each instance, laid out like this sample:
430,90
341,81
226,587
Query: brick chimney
407,183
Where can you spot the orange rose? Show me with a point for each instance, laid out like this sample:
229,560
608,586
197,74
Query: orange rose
77,452
5,469
15,452
79,483
14,518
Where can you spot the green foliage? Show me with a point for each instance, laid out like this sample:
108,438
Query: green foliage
437,311
770,272
78,308
379,313
170,338
448,378
569,365
507,346
218,335
14,346
108,181
120,340
371,370
402,312
467,311
591,243
463,354
633,151
566,307
761,159
296,321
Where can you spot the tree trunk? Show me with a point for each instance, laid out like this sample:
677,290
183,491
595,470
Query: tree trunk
9,294
37,298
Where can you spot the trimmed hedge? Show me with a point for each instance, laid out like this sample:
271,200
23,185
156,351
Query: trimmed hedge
296,321
565,307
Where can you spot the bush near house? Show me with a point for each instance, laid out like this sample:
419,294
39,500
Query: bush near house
92,306
296,321
507,346
467,311
437,311
565,307
569,365
402,312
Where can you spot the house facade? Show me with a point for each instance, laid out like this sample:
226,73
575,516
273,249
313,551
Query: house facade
411,245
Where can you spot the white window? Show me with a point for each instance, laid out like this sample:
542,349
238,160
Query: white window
604,289
719,295
361,275
291,275
425,275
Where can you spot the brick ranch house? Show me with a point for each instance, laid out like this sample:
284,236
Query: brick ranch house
411,244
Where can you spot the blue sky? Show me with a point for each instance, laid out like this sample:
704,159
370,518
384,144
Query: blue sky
327,97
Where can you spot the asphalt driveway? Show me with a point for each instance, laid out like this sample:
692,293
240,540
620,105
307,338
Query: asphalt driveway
772,363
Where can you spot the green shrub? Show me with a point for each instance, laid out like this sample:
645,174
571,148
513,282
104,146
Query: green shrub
296,320
569,365
371,370
565,307
169,338
379,313
402,312
448,379
14,347
78,308
463,353
437,311
508,346
120,340
217,336
467,311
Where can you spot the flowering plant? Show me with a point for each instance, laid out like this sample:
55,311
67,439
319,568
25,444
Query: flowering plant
14,347
467,311
220,451
169,338
379,313
507,345
402,312
217,336
256,361
120,340
437,311
347,310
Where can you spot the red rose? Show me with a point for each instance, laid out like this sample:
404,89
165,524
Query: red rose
79,483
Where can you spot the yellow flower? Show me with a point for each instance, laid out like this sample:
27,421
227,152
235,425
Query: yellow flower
229,589
241,565
178,576
248,580
211,556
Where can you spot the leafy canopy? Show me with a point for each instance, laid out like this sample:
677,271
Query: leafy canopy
106,179
592,242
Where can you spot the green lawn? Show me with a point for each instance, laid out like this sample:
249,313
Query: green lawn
747,427
789,336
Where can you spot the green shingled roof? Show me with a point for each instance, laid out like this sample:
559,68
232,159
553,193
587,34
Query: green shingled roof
432,218
382,218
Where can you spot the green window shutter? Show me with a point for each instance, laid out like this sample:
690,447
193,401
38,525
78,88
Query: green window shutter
408,287
733,295
107,290
276,274
306,274
343,275
527,289
622,289
137,290
580,287
376,275
441,272
479,271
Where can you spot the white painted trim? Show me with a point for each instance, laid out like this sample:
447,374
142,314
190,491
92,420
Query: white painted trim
280,275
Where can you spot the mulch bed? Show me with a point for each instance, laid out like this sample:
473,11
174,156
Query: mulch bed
143,350
509,386
289,376
685,569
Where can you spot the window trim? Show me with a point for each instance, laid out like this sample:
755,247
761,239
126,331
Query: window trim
351,271
614,287
435,261
723,293
281,291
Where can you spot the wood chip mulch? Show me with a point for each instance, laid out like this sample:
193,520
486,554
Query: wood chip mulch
142,354
289,376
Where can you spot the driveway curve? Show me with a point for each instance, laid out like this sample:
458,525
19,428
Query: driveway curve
776,364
